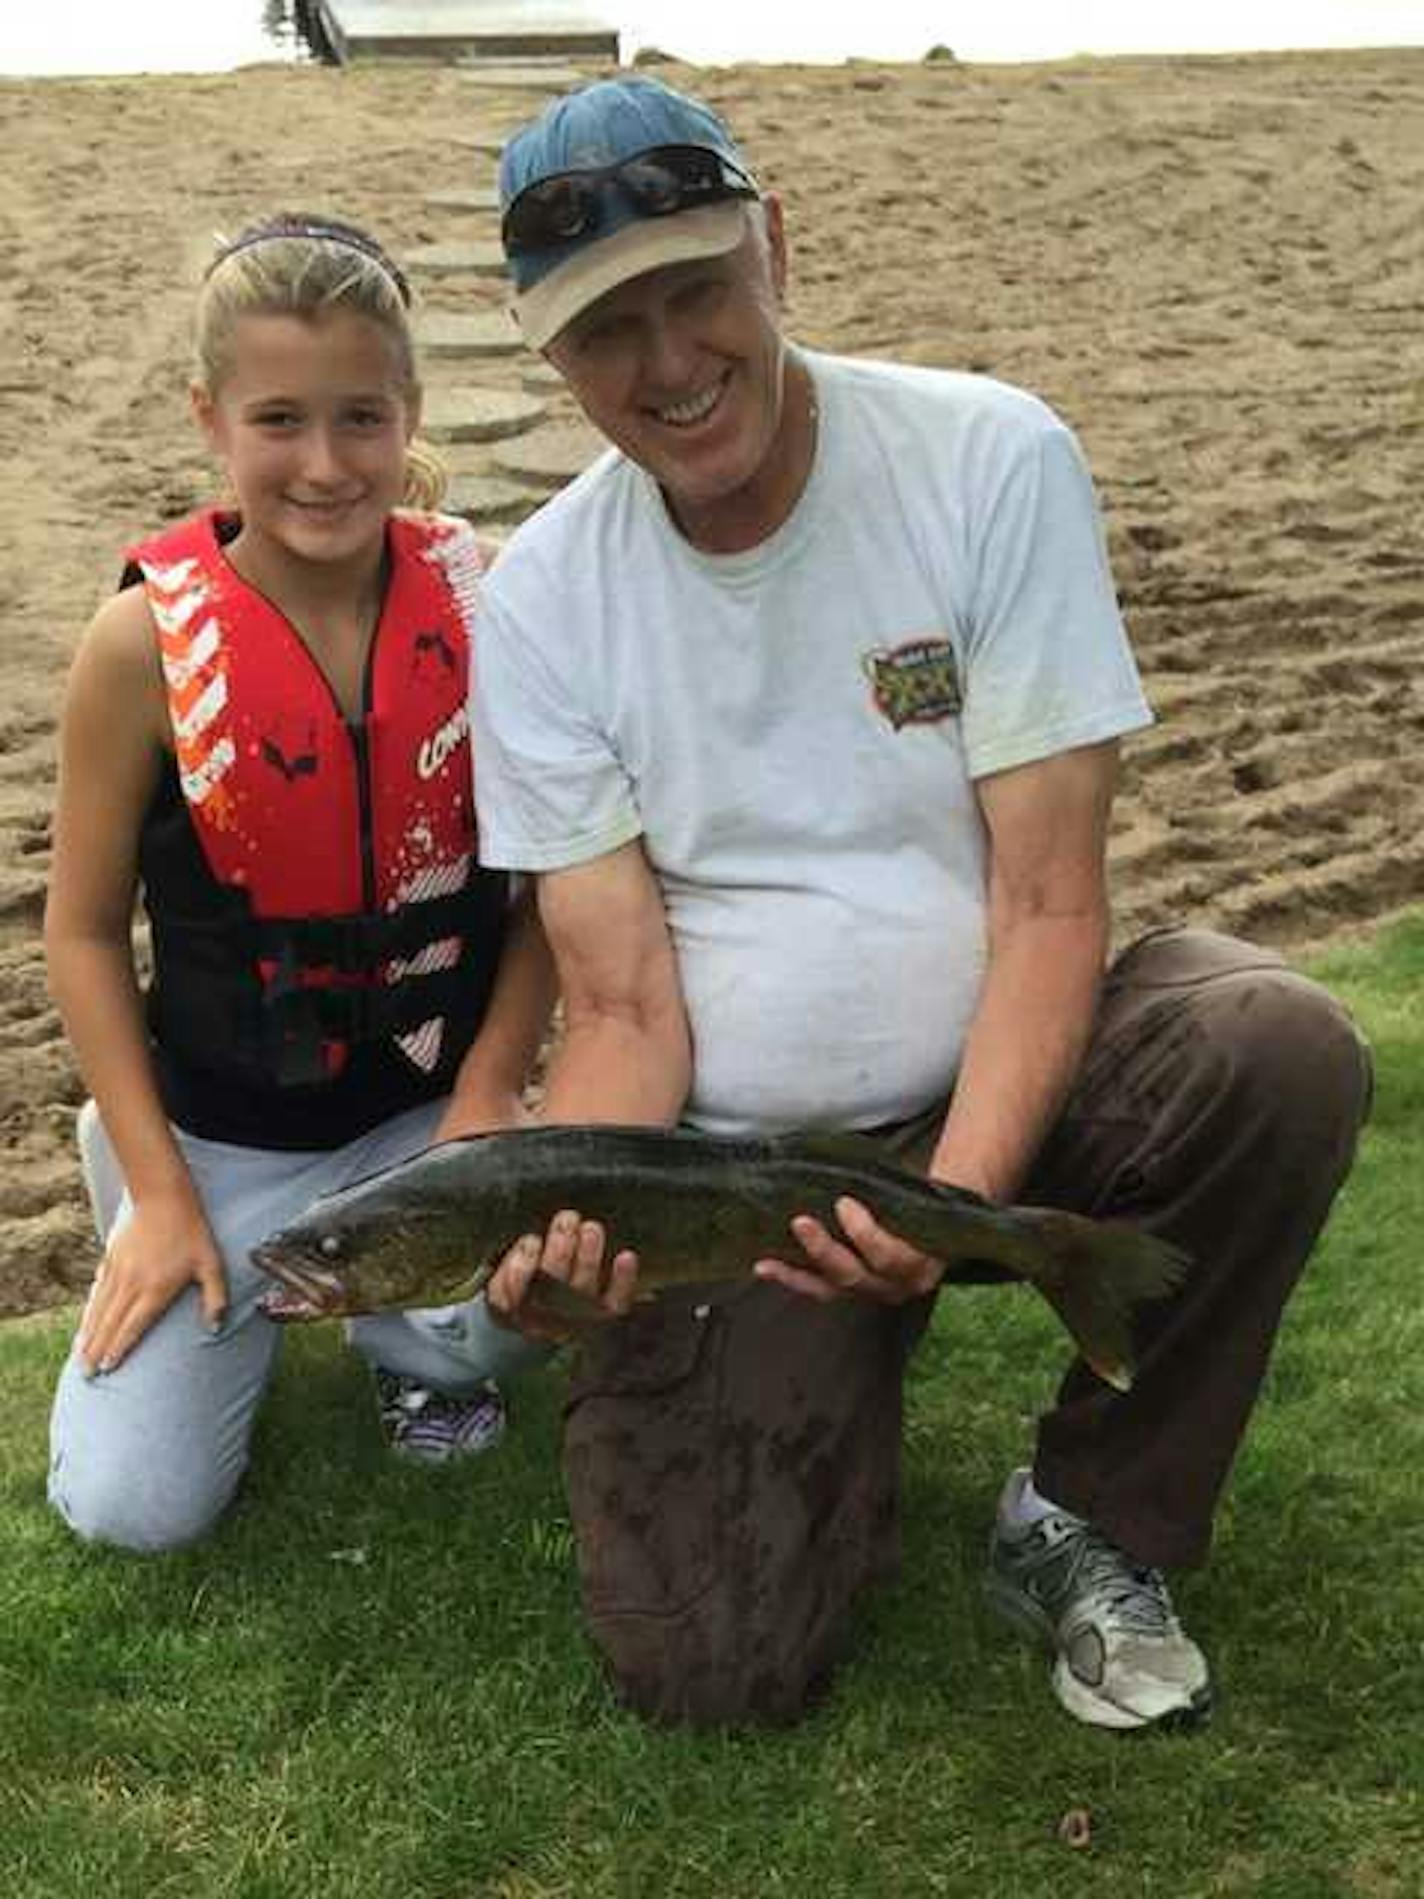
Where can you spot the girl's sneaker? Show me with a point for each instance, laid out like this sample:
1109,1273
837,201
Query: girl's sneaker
435,1427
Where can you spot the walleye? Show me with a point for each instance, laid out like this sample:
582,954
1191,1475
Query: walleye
698,1209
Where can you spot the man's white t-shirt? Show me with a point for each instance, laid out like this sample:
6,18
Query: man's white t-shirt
794,731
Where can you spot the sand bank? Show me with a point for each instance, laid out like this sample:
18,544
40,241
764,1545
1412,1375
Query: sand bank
1213,267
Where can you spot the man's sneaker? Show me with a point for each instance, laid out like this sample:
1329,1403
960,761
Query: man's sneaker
432,1427
1121,1657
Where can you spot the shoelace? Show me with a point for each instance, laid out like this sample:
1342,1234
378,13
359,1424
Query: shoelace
1134,1598
400,1396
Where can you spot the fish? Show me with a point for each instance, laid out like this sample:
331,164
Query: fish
698,1209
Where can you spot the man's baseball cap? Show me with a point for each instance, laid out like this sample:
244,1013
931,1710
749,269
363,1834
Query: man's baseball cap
618,178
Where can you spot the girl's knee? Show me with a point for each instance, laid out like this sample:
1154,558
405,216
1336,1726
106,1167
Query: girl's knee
144,1515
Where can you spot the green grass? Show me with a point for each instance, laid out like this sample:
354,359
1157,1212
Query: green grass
373,1680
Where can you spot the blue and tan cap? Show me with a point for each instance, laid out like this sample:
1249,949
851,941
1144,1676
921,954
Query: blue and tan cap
599,125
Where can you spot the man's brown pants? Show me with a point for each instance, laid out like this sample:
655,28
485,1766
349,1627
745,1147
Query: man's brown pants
733,1466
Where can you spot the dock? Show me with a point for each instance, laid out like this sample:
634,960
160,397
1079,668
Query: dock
464,30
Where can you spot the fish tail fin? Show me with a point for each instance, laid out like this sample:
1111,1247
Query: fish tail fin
1097,1272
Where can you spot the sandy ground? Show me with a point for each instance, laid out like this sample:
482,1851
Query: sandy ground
1213,267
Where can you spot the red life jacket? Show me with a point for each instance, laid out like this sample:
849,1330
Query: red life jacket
343,901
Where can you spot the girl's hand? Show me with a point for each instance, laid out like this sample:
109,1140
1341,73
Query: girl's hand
164,1246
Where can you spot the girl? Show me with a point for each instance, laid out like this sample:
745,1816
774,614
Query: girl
267,729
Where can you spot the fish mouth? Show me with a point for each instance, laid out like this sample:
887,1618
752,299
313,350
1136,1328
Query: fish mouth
301,1292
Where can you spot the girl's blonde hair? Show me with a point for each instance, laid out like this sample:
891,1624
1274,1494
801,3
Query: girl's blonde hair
301,265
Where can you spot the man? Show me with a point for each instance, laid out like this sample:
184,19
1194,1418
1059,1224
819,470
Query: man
802,707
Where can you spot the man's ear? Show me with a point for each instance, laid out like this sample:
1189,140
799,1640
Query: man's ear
776,243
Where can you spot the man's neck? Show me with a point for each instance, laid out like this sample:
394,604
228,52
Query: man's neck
734,523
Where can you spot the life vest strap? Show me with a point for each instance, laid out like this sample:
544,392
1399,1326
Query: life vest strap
360,942
291,1021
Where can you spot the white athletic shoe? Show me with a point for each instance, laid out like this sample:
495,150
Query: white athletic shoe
1121,1657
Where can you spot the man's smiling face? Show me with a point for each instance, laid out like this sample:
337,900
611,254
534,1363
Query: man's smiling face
683,369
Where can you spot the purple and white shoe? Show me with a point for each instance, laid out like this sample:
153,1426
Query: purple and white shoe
436,1427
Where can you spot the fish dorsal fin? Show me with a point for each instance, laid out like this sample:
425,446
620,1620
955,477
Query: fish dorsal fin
836,1150
864,1153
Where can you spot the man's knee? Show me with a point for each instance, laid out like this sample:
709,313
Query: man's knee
1261,1041
1288,1051
695,1673
732,1472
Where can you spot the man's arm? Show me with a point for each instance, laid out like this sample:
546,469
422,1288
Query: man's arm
626,1053
625,1056
1048,933
488,1087
1048,937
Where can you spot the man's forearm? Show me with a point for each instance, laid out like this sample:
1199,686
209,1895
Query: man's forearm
626,1051
622,1068
1023,1050
488,1087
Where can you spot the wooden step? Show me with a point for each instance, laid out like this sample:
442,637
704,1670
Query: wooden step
447,333
481,257
479,415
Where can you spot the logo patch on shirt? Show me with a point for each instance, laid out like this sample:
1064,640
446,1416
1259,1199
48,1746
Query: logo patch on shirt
914,684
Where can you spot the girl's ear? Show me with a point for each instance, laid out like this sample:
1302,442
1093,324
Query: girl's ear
205,414
414,409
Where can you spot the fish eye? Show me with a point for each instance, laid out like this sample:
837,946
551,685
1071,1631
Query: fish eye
330,1245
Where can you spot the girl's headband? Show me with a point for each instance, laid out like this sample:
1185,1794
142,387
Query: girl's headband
329,231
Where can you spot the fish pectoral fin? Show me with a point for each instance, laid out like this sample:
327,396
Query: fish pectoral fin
556,1299
1117,1375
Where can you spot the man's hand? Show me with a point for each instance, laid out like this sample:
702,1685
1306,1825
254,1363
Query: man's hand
165,1246
869,1262
574,1254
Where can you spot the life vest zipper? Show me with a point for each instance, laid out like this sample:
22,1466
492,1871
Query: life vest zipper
360,738
360,743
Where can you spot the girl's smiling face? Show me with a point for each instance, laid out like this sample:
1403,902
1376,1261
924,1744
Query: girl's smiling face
311,422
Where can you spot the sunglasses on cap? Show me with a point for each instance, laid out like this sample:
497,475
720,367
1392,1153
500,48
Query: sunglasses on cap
666,178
